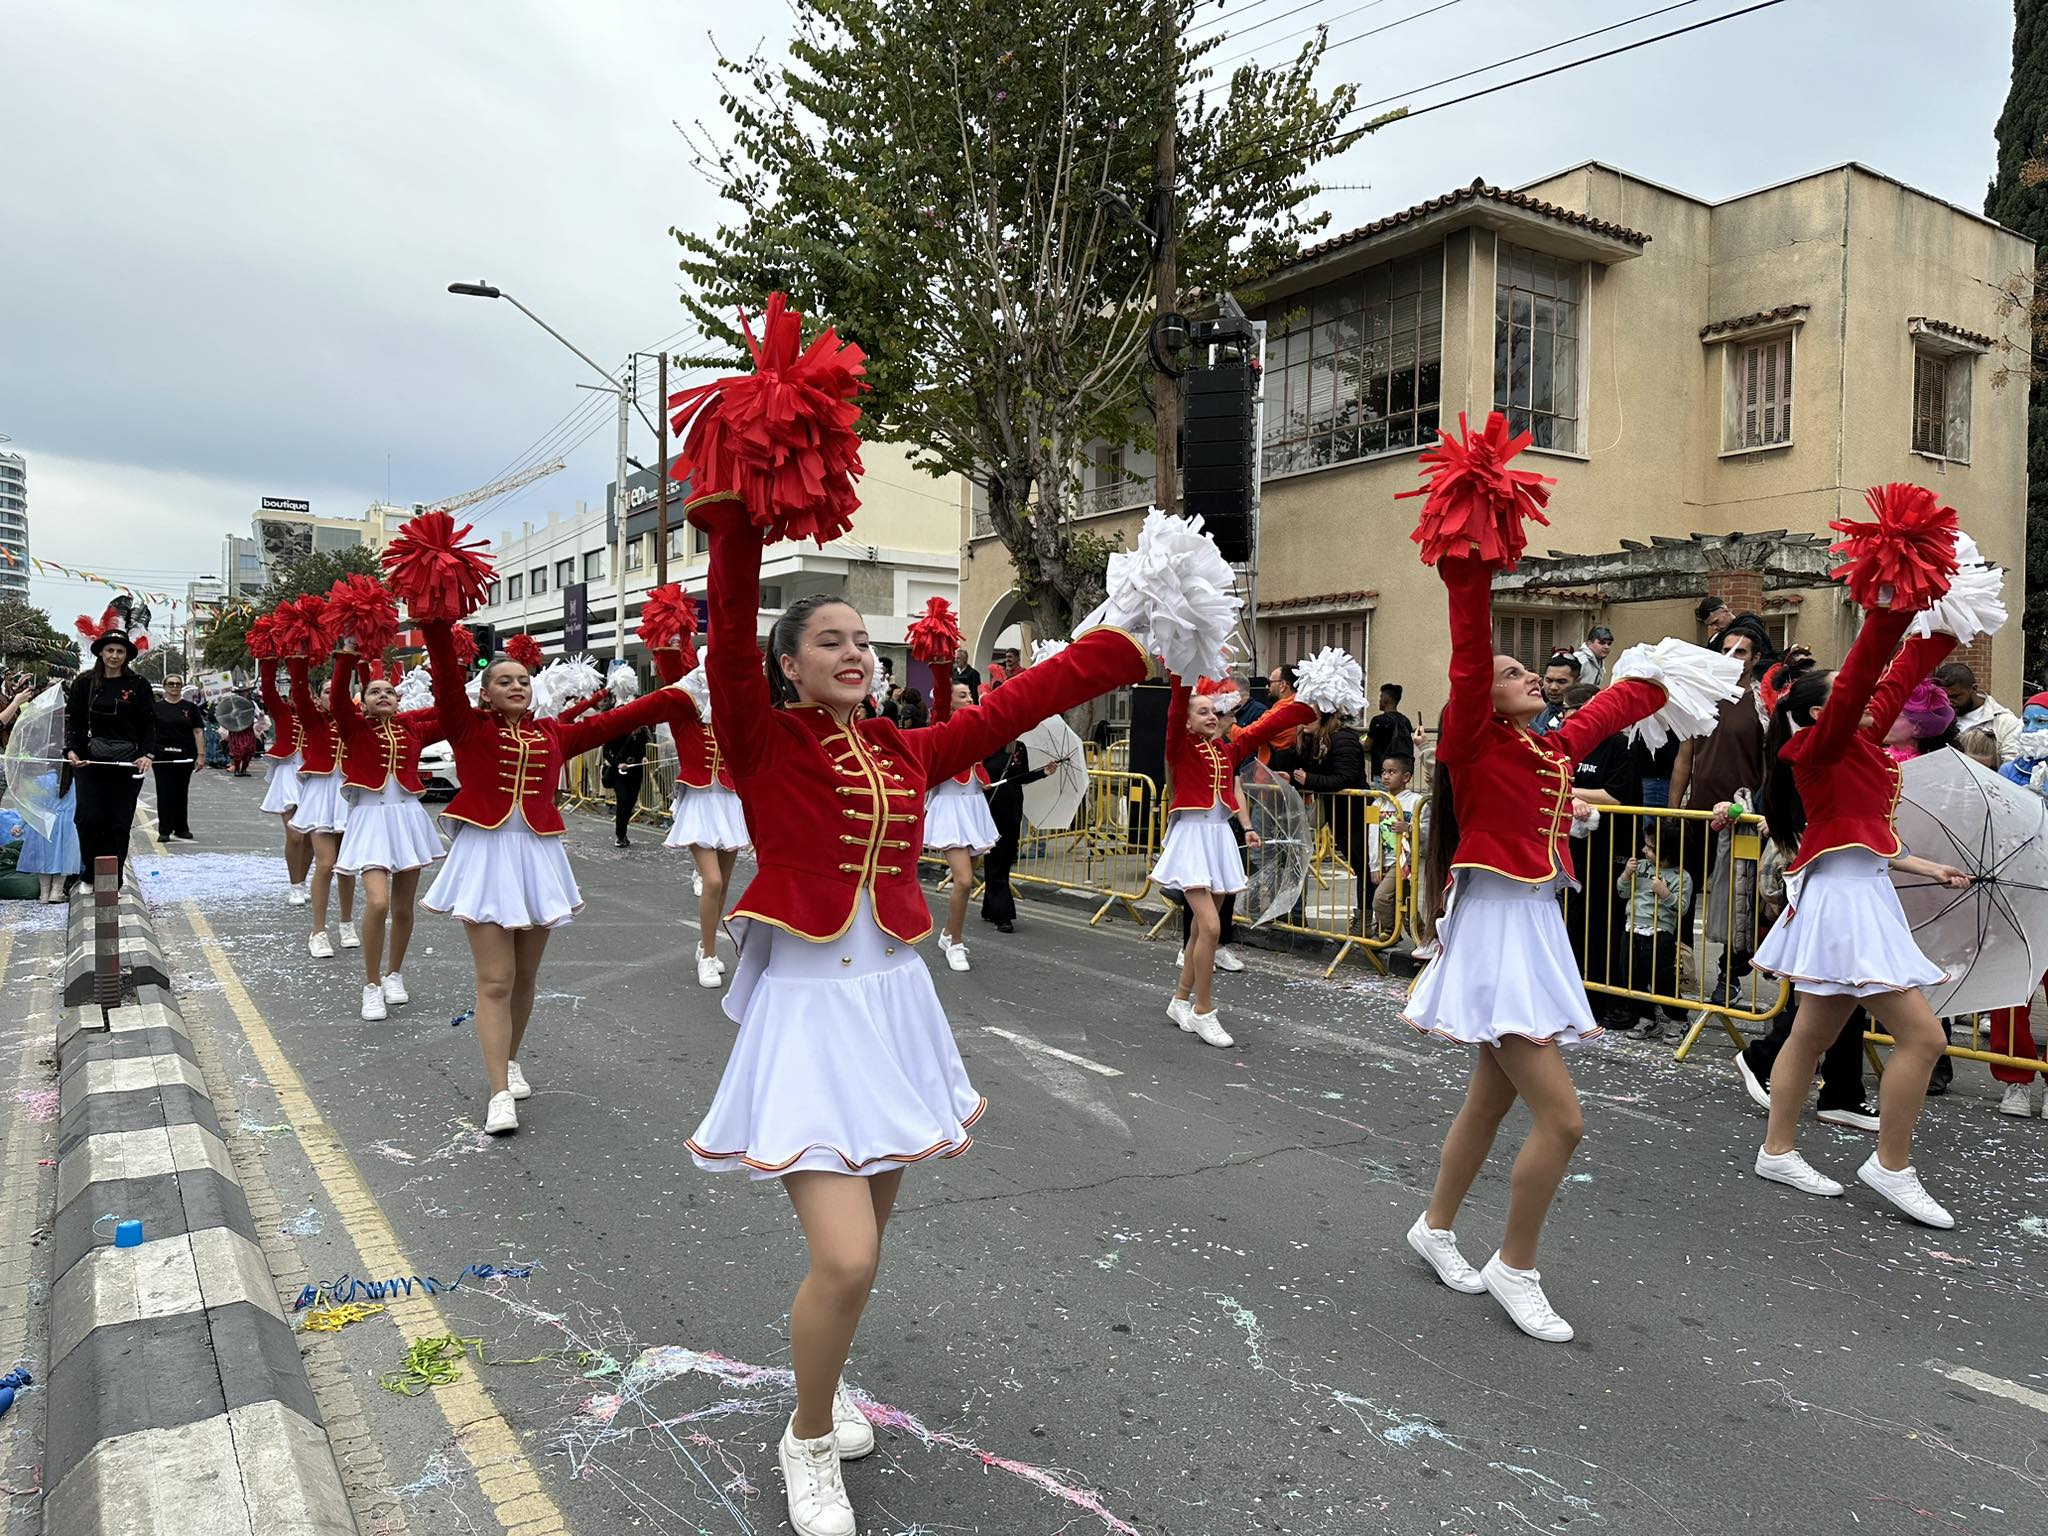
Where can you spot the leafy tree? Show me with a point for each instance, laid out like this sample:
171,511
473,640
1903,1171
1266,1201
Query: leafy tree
224,646
226,642
160,662
2019,199
28,638
951,183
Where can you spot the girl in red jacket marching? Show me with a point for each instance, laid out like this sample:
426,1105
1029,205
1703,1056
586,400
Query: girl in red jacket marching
321,814
1504,981
960,827
1829,798
390,837
282,759
1200,857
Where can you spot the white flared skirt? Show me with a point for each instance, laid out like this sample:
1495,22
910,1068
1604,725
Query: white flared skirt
1504,967
387,828
281,792
706,818
957,816
321,807
1200,854
844,1061
1843,932
508,875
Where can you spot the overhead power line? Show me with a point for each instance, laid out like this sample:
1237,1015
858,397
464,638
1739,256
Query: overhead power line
1237,32
1388,26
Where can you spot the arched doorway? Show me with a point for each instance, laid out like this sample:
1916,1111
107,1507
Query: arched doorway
1003,628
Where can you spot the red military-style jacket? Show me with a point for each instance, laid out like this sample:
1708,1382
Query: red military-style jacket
287,736
374,750
505,765
1203,772
836,807
1847,781
942,709
700,761
319,732
1513,788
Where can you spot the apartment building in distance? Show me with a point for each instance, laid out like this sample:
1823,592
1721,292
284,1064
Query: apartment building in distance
14,567
285,529
1709,383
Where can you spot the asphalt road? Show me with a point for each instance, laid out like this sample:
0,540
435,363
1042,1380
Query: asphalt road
1166,1292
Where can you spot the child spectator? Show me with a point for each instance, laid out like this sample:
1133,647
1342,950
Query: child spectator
1657,893
1394,849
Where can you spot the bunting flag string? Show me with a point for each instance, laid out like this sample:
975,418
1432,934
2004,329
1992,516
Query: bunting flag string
75,573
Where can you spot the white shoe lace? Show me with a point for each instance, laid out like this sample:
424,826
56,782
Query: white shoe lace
818,1486
1532,1303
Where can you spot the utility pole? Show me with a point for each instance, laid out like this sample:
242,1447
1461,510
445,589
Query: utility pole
1165,222
661,477
620,508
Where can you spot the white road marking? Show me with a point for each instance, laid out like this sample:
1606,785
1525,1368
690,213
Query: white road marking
1043,1049
1997,1386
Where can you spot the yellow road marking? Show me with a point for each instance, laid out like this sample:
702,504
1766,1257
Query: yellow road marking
518,1497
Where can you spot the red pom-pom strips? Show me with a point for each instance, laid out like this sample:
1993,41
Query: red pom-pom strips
301,626
262,638
1906,556
935,636
525,650
782,437
436,568
1474,499
668,618
465,646
360,610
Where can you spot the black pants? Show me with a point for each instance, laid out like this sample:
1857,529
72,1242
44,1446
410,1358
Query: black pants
626,791
1653,968
174,796
106,810
1226,909
1841,1067
998,901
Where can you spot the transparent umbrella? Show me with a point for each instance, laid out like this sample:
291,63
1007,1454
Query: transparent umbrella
235,712
1278,866
1050,803
1991,938
34,754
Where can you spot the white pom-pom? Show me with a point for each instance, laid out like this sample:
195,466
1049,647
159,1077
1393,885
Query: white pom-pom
1045,650
623,682
698,687
1696,682
1331,681
1173,592
878,681
562,682
1975,604
416,690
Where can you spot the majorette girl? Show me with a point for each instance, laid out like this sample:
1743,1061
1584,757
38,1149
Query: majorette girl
1500,813
390,837
1200,857
706,816
1828,797
958,824
282,758
844,1071
506,874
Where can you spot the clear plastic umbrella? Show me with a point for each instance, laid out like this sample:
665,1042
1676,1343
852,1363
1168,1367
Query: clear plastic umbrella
235,712
35,753
1052,802
1278,866
1991,938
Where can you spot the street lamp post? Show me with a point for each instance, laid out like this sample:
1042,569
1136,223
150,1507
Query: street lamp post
624,393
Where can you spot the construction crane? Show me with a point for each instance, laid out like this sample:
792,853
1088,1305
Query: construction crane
495,488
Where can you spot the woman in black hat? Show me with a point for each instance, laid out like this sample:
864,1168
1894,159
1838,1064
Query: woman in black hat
109,738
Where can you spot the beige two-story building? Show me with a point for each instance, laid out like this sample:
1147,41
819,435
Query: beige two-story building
1709,383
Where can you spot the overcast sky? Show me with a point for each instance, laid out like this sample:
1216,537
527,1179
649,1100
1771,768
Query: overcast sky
229,226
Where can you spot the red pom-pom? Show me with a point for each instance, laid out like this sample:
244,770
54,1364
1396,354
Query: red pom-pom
525,650
464,639
668,619
1909,548
301,626
1475,499
261,638
935,636
781,437
436,569
360,610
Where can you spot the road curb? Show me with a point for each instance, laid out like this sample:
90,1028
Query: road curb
178,1398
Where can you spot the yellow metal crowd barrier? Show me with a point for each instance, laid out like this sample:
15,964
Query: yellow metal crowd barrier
1365,859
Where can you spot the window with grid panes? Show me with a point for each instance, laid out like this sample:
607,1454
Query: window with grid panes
1528,637
1941,404
1355,367
1757,410
1536,335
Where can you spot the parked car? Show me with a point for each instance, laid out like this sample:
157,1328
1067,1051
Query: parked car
437,772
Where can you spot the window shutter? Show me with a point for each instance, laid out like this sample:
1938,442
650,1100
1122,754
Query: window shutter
1751,391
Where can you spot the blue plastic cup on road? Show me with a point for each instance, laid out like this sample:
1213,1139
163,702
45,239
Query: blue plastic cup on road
128,1235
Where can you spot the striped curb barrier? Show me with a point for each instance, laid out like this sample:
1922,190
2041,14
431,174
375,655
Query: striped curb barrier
177,1396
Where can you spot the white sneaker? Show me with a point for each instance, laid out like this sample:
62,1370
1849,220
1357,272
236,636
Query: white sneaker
1791,1168
708,972
348,937
373,1004
818,1505
956,955
1759,1092
515,1081
320,947
696,883
1855,1117
1180,958
852,1435
394,990
1210,1028
1520,1292
1182,1012
2018,1101
1226,960
1904,1190
1440,1250
502,1118
297,896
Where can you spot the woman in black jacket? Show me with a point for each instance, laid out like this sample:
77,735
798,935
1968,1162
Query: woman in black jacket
109,739
1332,759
